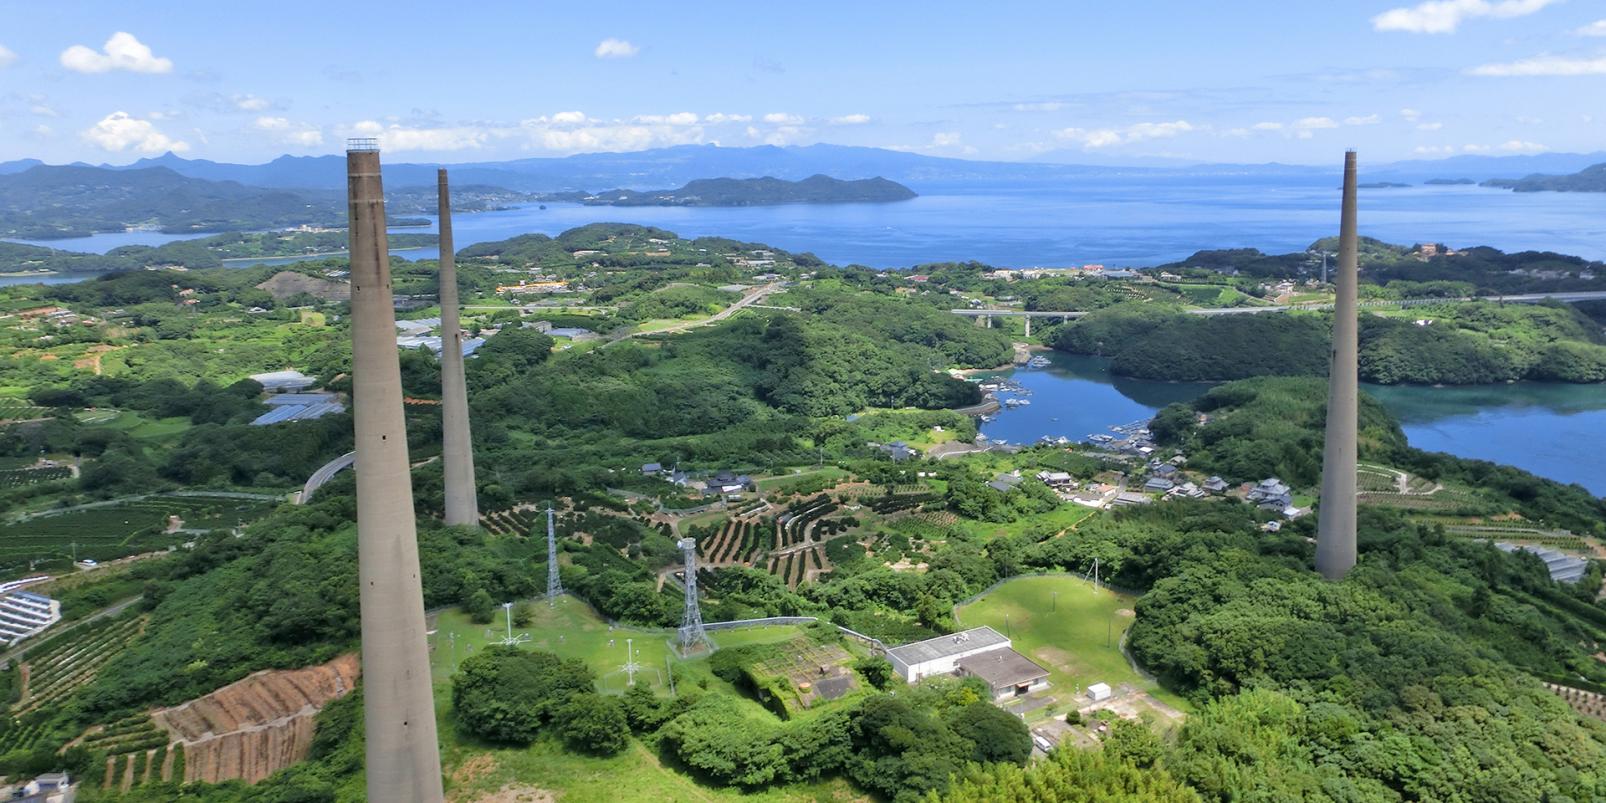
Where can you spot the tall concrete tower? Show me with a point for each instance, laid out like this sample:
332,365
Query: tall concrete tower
403,755
457,450
1335,528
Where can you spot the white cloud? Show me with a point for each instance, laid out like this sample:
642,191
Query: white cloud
1105,137
251,103
851,119
945,139
403,138
1370,119
122,52
1268,126
1543,65
612,48
1429,126
120,132
1522,146
719,118
679,118
1411,115
306,138
1434,150
44,110
594,135
782,118
1596,28
1158,130
1314,123
8,57
1044,106
272,123
1444,16
569,118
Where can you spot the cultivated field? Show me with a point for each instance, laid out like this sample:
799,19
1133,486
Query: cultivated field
123,528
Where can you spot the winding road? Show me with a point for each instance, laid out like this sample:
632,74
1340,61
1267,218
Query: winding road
325,473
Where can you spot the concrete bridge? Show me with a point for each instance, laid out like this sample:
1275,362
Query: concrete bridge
984,317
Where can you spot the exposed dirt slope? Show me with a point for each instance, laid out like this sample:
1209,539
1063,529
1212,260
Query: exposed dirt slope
253,727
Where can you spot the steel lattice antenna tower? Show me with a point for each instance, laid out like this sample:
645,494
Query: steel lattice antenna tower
1335,527
554,585
692,633
403,761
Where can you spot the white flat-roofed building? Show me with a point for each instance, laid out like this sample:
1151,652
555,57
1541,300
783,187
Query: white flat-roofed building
284,381
24,613
941,655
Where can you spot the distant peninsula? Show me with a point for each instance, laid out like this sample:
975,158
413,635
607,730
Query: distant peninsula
1382,185
1590,179
767,191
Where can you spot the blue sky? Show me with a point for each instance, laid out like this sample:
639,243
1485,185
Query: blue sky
1099,82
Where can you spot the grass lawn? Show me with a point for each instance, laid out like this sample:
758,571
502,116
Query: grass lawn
573,630
810,478
1060,518
1066,625
136,425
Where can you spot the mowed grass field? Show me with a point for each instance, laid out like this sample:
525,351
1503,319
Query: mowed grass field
1065,624
573,630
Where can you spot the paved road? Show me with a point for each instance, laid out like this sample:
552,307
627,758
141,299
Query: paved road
1525,298
325,473
753,296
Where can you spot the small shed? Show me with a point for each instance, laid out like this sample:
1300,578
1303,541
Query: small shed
1099,692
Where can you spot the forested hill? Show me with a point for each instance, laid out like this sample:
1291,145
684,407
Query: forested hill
1451,344
51,202
1590,179
767,191
1410,270
205,252
47,202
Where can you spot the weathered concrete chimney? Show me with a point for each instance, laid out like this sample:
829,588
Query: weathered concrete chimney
1335,528
457,448
403,755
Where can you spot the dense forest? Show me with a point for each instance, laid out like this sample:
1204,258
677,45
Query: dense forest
1451,344
1479,270
1417,678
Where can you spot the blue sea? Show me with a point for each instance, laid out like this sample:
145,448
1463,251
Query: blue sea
1127,221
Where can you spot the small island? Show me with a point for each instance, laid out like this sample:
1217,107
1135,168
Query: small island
766,191
1381,185
1590,179
1448,182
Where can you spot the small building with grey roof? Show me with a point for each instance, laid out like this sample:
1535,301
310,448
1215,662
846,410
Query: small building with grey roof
979,652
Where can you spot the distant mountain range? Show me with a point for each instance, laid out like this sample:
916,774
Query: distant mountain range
1590,179
675,166
174,194
44,202
767,191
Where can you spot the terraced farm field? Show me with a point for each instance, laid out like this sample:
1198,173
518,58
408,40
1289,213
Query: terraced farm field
62,665
20,410
121,529
21,477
